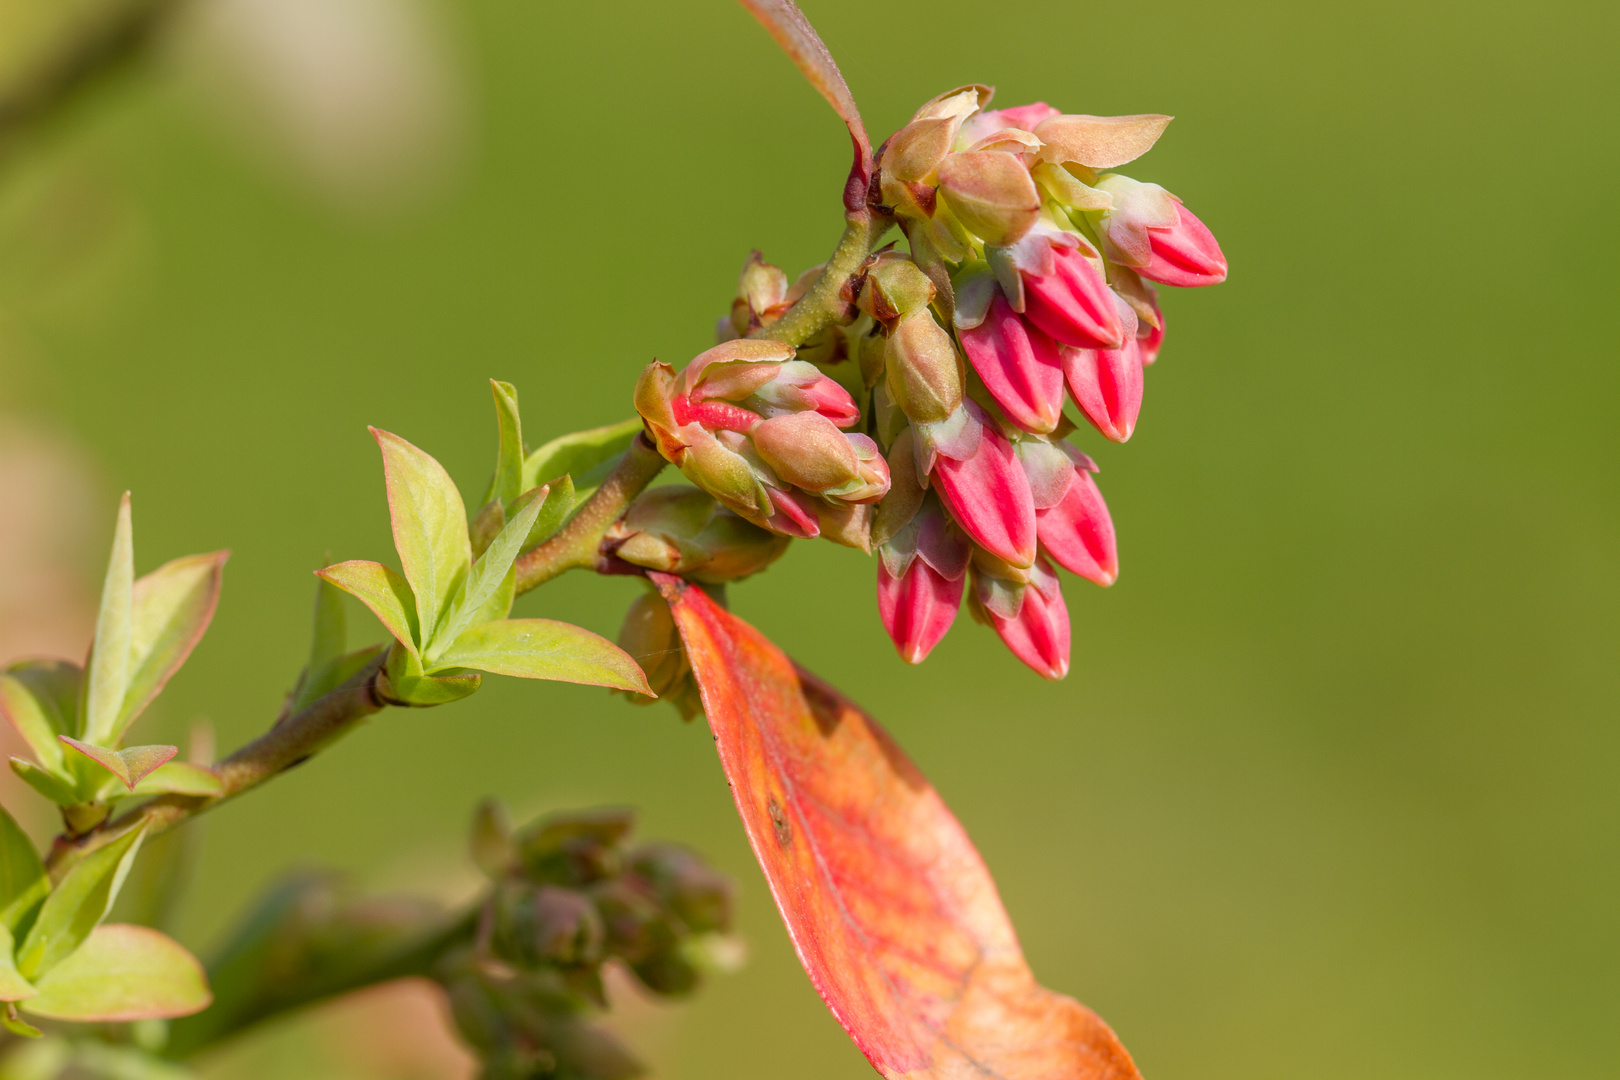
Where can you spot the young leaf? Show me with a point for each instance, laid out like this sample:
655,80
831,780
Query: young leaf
508,480
13,987
18,1026
579,453
486,577
77,905
793,32
123,973
890,908
109,654
409,686
130,764
386,593
172,607
45,783
23,883
545,649
41,699
430,526
560,500
181,778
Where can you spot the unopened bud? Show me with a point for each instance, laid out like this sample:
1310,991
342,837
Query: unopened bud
545,924
1027,611
682,530
992,194
916,150
894,287
806,450
699,895
924,372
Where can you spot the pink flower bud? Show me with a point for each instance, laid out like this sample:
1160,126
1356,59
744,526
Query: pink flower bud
1078,532
921,571
917,608
1107,386
1073,304
1031,619
989,495
1023,117
807,450
1019,364
1152,338
1185,255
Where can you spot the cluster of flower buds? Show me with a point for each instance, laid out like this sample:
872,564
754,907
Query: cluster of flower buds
568,896
1047,260
682,530
764,434
1035,268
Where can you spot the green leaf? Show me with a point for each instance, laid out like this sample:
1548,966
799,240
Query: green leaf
560,500
486,578
13,987
408,685
123,973
12,1023
386,593
23,883
129,764
508,480
586,455
77,905
173,606
545,649
41,700
181,778
430,527
109,654
45,783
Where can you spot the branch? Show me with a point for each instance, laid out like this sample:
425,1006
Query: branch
97,48
825,303
290,741
575,545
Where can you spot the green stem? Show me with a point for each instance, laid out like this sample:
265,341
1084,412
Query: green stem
290,741
824,304
575,544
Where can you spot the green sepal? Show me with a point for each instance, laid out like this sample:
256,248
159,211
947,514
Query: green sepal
430,527
181,778
545,649
108,678
77,905
119,974
508,479
40,698
129,765
13,987
484,580
408,685
23,882
46,783
383,591
18,1026
585,455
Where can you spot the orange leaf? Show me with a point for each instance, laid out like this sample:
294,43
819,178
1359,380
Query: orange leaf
793,32
890,908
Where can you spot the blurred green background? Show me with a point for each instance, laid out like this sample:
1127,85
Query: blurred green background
1331,789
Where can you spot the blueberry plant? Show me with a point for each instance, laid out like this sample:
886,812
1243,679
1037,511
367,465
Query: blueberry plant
907,398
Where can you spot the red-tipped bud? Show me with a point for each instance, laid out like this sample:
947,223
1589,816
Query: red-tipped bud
1152,338
806,450
1107,386
1073,304
1031,619
1185,255
1078,533
991,194
989,495
917,608
1019,364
